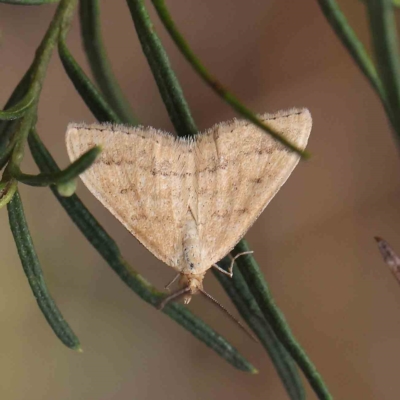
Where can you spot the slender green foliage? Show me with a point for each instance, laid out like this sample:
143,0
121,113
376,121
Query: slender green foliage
212,82
384,39
254,279
28,91
355,47
89,93
98,60
35,76
7,128
238,290
34,274
167,83
246,291
19,109
60,177
386,78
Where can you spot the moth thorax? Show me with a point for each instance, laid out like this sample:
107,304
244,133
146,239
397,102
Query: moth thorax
191,246
193,282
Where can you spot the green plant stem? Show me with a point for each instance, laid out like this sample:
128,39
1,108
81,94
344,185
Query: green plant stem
19,109
6,151
37,73
213,82
108,249
254,279
21,134
385,44
348,37
237,289
34,274
60,177
7,127
99,62
167,83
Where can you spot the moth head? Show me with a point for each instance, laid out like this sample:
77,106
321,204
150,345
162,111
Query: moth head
194,284
190,285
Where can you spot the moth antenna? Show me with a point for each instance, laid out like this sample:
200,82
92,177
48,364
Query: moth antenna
173,296
228,313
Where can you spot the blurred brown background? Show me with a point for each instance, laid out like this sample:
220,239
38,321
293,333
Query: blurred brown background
314,241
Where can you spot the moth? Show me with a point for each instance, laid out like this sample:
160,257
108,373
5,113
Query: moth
189,200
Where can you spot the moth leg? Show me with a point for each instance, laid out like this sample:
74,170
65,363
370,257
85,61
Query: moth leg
170,283
230,270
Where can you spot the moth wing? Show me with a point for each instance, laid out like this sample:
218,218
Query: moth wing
141,178
240,168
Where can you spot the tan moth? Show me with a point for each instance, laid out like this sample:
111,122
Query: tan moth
189,200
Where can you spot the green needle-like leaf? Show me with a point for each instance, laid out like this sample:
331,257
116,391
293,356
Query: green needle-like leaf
34,274
384,39
99,62
212,82
237,289
89,93
167,83
25,125
108,249
5,152
60,177
348,37
7,128
252,274
19,109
